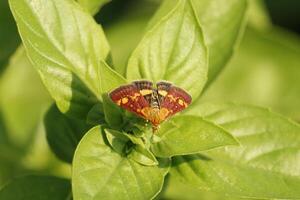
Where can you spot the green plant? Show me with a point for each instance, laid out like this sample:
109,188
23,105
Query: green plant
113,155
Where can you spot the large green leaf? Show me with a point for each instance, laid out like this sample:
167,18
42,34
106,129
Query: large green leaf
93,6
222,23
101,173
65,45
37,187
265,165
63,133
234,179
267,67
266,138
176,189
189,134
173,48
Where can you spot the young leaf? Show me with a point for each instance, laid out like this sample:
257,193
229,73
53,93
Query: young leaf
135,139
125,136
142,156
265,165
101,173
113,113
65,45
117,140
109,79
93,6
63,133
172,50
37,187
189,134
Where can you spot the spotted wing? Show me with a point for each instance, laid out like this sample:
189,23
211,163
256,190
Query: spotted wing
130,98
174,101
145,88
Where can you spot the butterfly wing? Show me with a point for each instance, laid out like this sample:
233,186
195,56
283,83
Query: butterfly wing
163,89
130,98
145,88
173,99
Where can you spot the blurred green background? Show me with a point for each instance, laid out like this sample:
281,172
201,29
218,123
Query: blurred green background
265,71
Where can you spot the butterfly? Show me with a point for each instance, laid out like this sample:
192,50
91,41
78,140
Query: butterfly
155,104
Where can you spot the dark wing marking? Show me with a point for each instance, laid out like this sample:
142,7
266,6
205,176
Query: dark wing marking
143,84
163,89
129,98
145,88
175,101
163,85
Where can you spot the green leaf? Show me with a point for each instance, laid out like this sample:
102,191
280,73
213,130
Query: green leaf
65,45
265,165
37,187
63,133
113,112
234,179
173,48
175,189
126,137
189,134
117,140
23,99
258,15
137,151
108,110
262,134
142,156
267,67
96,115
109,79
9,38
135,139
93,6
222,23
101,173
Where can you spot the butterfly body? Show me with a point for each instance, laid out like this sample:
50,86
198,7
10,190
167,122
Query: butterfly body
150,103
